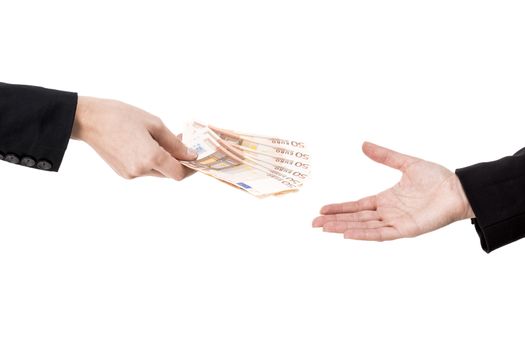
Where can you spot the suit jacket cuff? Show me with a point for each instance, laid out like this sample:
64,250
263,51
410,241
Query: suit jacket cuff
496,193
35,125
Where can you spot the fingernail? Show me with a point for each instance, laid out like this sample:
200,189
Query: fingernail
191,153
316,222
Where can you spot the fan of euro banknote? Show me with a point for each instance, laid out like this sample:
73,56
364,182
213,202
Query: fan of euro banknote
260,165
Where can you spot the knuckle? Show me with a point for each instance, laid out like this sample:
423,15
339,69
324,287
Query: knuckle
178,176
127,175
135,170
124,173
157,123
156,159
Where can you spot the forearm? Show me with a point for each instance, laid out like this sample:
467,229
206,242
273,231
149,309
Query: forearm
496,192
35,125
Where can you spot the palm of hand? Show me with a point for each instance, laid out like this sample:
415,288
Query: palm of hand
427,197
424,200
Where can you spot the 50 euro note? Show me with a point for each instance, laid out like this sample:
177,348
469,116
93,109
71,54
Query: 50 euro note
294,159
269,149
267,144
235,136
293,164
217,159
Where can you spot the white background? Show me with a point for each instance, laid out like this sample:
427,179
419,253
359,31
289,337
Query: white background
91,261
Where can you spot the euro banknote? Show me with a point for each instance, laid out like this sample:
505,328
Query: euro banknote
258,164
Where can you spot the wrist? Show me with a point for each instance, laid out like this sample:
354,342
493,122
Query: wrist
466,211
81,123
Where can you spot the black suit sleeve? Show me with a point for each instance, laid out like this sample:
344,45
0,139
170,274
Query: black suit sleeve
35,125
496,192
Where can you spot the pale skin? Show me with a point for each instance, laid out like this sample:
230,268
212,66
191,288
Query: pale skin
131,141
136,143
427,197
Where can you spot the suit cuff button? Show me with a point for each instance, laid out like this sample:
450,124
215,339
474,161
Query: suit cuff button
11,158
44,165
28,161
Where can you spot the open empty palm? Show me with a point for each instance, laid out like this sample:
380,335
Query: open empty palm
427,197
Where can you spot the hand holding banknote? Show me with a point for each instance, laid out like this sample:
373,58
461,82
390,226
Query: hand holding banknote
427,197
133,142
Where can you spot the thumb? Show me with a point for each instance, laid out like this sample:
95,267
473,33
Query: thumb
173,144
387,156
